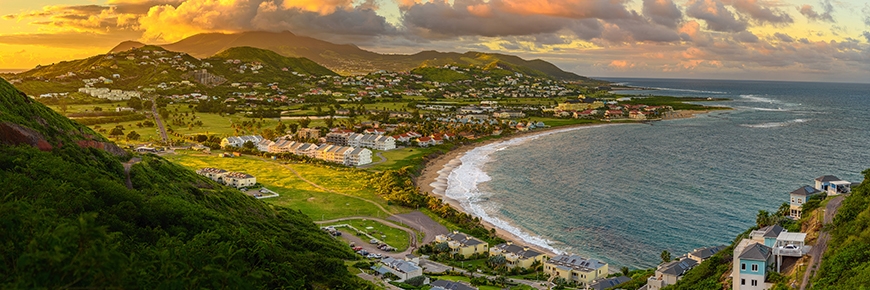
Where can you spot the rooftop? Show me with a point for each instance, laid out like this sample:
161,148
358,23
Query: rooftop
576,262
756,252
677,268
805,190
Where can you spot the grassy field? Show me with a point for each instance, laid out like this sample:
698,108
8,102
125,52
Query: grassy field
392,236
294,192
555,122
399,158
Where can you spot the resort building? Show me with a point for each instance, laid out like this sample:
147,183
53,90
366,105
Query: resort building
401,268
608,283
462,244
581,103
798,198
669,273
308,133
576,269
832,185
234,179
449,285
239,141
360,156
517,256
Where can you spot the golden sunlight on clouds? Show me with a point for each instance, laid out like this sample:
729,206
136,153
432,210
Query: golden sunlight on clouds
323,7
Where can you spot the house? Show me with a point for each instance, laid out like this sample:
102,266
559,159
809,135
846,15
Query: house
449,285
584,114
308,133
577,269
239,141
338,138
424,141
798,198
401,268
237,179
517,256
384,143
669,273
462,244
637,115
264,144
702,254
613,114
833,185
608,283
211,173
751,262
766,235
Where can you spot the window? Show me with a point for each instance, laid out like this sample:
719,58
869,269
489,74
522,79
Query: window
754,282
754,268
742,266
742,281
792,199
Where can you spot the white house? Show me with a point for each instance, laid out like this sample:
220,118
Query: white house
359,156
401,268
239,141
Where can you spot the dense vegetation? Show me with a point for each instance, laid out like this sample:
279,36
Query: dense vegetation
846,264
69,221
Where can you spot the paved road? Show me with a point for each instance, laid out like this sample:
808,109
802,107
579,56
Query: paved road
383,159
423,223
159,122
822,243
127,166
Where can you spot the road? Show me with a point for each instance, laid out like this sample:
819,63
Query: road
333,191
822,243
383,159
159,122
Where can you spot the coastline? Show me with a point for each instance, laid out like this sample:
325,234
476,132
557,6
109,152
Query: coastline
433,178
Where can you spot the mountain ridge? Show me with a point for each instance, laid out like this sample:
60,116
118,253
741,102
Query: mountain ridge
347,58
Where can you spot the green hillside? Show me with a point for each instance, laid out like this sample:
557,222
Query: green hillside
273,65
70,221
846,263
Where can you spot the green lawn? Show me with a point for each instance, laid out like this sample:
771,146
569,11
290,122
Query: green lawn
294,192
398,158
555,122
392,236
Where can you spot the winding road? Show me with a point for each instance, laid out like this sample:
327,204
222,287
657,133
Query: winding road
411,234
127,166
822,243
159,122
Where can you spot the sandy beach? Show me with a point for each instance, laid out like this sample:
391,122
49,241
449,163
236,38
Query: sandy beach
433,177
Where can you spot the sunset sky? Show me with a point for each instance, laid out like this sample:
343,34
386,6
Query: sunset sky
802,40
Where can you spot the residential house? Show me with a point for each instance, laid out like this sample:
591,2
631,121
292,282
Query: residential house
517,256
751,262
401,268
509,115
669,273
576,269
338,138
608,283
211,173
264,144
766,235
359,156
584,114
702,254
798,198
239,141
462,244
637,115
833,185
425,141
237,179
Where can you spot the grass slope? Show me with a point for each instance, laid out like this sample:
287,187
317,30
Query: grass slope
70,222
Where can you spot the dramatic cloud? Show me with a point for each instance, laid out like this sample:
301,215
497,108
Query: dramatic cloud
170,23
866,35
68,39
601,9
746,37
783,37
475,17
663,12
761,14
714,13
810,13
866,14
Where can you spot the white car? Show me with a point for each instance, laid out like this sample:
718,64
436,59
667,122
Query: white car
790,247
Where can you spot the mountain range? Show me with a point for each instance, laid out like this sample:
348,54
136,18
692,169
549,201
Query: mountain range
347,58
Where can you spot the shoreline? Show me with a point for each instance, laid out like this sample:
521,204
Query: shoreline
433,177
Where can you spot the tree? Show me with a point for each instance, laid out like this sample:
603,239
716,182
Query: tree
762,219
249,145
666,256
442,247
98,109
280,128
305,122
147,104
135,103
293,128
497,261
116,132
329,121
624,270
268,134
164,113
133,135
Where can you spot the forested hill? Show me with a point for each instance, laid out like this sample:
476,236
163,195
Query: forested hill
846,263
69,220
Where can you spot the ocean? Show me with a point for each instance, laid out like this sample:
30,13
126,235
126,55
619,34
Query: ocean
624,193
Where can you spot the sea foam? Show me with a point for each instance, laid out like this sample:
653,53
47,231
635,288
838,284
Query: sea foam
463,181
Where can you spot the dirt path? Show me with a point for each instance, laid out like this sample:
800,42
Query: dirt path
127,166
822,244
413,236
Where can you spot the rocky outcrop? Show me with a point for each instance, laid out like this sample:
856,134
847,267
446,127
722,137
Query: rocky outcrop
105,146
14,134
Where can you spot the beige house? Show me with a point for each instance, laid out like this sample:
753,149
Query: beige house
517,256
234,179
669,273
462,244
576,269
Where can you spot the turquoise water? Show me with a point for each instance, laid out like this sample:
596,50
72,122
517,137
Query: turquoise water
624,193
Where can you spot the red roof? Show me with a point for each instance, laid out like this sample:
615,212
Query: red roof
424,139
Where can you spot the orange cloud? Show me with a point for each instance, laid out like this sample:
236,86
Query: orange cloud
323,7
